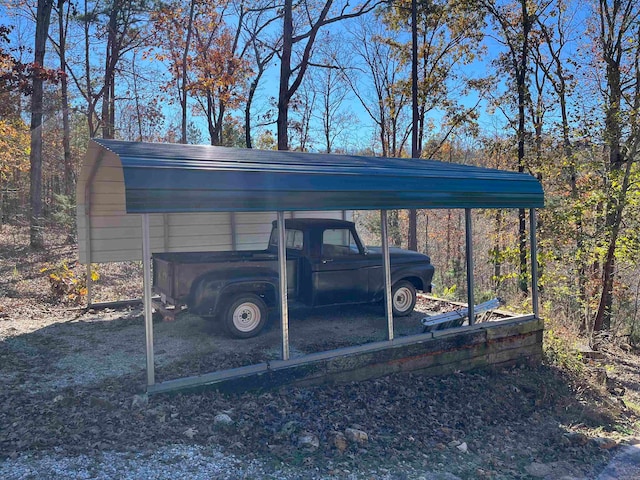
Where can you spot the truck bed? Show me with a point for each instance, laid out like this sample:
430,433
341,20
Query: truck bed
214,257
174,273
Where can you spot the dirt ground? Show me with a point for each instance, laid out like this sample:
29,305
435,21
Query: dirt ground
70,380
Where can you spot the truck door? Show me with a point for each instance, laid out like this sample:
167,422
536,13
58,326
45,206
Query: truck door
339,273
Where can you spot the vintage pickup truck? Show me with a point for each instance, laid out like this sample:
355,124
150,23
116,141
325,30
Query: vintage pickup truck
327,264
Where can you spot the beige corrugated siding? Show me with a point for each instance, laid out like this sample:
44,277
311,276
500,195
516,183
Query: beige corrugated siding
117,236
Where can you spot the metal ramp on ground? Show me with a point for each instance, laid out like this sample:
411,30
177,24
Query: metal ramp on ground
457,317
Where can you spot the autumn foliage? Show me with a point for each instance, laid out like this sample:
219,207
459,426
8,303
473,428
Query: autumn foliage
551,89
199,49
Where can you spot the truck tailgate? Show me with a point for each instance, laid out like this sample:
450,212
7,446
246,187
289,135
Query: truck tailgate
163,278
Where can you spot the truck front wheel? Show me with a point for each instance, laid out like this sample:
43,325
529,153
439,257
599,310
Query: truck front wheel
403,296
246,316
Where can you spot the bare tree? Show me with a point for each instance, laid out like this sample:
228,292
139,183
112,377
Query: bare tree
549,55
618,47
110,30
302,106
43,18
254,43
61,47
328,80
309,22
515,22
385,99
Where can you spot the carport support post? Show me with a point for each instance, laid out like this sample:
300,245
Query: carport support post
534,262
146,281
469,253
282,271
89,283
386,270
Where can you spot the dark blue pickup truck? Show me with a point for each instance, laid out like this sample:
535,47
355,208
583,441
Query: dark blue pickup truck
327,264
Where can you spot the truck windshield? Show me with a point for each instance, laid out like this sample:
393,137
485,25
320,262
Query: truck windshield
294,238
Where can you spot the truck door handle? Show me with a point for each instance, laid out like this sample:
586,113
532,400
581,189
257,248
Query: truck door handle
327,260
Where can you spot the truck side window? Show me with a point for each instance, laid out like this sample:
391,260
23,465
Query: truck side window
295,239
338,242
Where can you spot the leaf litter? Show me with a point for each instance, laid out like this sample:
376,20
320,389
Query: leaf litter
68,378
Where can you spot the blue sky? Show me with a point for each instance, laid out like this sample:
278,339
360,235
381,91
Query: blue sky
364,133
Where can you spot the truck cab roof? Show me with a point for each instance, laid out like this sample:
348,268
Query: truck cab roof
305,223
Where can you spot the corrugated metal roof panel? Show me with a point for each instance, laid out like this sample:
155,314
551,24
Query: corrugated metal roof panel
198,178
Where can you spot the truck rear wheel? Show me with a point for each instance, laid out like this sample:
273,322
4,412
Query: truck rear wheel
403,295
246,316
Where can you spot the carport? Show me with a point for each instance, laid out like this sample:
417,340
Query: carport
130,184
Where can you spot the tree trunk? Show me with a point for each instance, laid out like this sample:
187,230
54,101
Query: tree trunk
497,248
219,122
521,79
64,91
616,21
213,139
613,134
394,228
43,17
91,101
137,99
580,267
285,75
109,73
460,267
612,227
185,70
415,152
247,110
426,234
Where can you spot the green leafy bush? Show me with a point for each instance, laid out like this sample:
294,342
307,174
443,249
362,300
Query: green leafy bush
558,351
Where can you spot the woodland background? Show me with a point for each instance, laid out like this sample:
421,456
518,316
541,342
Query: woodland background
550,88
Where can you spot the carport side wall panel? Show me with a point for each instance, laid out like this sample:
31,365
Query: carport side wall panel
107,233
86,179
195,232
115,235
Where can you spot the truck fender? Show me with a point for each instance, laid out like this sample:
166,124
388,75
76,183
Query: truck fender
264,288
420,276
210,291
411,276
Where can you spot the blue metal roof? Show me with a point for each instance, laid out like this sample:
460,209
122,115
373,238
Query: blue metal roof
162,177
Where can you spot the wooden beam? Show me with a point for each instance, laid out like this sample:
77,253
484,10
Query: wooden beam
461,349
